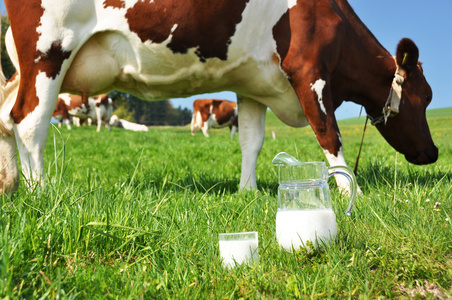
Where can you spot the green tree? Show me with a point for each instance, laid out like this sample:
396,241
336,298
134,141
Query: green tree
121,106
149,113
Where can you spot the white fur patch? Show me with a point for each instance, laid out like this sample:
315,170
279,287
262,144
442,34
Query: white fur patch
318,88
198,122
212,121
335,160
291,3
338,160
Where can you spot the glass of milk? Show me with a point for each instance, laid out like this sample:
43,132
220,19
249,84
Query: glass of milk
238,248
305,216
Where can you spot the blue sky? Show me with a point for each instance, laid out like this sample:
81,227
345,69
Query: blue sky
427,23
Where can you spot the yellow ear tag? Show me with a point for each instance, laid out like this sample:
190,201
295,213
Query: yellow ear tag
405,57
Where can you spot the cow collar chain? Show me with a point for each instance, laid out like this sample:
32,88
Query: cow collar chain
391,107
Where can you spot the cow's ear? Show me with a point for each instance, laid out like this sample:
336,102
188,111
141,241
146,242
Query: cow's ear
407,55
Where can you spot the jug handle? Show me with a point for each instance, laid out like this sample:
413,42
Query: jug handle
348,173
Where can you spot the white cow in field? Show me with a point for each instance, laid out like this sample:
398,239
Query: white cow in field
121,123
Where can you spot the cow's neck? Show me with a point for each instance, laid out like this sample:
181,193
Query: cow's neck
368,69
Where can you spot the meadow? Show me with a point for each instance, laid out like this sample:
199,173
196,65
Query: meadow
128,215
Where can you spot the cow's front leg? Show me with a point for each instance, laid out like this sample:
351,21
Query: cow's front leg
317,103
76,121
68,123
251,138
98,111
233,130
31,135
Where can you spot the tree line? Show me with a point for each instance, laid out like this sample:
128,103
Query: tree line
128,107
149,113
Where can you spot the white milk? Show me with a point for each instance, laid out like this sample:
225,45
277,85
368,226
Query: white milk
295,227
238,251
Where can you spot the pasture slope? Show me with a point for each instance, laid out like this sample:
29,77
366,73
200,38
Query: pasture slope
133,215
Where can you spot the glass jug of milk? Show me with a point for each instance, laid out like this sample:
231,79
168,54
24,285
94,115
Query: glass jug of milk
304,207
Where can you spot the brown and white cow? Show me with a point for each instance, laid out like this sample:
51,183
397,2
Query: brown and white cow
61,114
99,109
214,113
301,59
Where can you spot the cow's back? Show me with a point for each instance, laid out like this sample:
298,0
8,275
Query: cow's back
160,50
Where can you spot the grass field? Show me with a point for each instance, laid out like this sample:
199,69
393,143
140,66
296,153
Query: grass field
130,215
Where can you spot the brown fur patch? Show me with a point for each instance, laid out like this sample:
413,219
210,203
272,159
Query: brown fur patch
114,3
198,25
282,35
51,61
32,62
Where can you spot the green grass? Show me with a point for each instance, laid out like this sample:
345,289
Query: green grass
130,215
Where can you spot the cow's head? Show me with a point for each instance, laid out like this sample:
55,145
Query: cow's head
407,130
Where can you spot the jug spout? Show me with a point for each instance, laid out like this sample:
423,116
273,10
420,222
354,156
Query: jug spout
284,159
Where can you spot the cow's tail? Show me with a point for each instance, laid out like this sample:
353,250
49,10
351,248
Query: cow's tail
3,129
2,76
8,89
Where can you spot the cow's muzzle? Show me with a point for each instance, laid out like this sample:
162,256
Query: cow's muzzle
424,158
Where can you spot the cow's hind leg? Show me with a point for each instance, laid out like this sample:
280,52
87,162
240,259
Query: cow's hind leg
68,123
99,114
9,174
205,128
251,138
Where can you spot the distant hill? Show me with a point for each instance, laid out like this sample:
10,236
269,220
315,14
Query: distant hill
272,120
431,113
440,112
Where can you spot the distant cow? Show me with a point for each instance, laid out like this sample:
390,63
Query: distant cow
301,59
61,114
121,123
99,109
214,113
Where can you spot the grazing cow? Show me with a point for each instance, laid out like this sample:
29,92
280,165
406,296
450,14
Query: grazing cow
99,109
121,123
301,59
61,114
213,113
